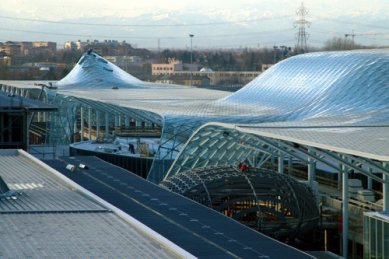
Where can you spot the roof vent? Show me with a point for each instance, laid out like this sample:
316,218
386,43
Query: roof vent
82,166
71,167
5,191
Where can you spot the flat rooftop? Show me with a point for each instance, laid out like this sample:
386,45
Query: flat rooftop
9,101
199,230
52,217
383,215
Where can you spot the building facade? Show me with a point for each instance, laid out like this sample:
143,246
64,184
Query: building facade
171,67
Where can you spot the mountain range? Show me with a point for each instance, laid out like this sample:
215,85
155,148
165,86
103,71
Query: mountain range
211,29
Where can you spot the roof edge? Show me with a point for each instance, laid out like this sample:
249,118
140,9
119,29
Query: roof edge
145,230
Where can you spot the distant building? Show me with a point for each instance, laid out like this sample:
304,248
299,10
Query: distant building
104,48
5,60
177,71
232,77
208,77
265,67
171,67
11,48
124,61
45,44
25,47
22,48
45,65
75,45
183,79
70,45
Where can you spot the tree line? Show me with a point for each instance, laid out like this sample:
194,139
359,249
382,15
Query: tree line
247,59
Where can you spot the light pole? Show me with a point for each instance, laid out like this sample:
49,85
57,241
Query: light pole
191,56
275,54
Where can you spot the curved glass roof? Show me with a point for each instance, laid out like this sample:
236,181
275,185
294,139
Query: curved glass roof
324,89
301,87
93,71
258,198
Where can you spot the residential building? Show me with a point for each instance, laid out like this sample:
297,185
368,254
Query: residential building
11,48
171,67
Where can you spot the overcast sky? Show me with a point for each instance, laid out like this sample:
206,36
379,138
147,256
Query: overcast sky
361,16
59,9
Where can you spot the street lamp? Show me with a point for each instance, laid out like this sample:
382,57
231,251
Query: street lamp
191,56
275,48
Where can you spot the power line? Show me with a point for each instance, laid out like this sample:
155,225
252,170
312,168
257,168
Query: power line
352,23
254,44
47,33
143,25
144,37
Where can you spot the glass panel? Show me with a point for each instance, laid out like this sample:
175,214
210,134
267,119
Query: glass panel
372,238
385,253
366,237
379,239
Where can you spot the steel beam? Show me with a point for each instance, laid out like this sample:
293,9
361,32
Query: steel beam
281,163
311,168
89,123
106,130
82,123
385,187
345,211
97,124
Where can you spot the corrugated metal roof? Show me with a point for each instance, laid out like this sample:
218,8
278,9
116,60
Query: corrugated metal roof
73,235
50,218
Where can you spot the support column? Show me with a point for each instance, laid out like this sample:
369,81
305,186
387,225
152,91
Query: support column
147,124
74,126
340,177
26,130
290,166
370,181
126,122
106,131
281,163
138,123
385,187
97,124
345,211
116,122
82,123
90,124
120,120
311,168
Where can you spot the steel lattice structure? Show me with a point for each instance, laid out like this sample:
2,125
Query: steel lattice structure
333,102
272,203
323,108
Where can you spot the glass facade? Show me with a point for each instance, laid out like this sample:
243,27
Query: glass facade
376,235
272,203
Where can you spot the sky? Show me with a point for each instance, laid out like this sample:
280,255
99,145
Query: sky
215,23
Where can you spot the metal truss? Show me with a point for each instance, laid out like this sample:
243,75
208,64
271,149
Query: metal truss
198,152
117,110
217,146
272,203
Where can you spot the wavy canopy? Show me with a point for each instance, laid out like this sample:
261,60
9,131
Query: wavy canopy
336,89
93,71
322,84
